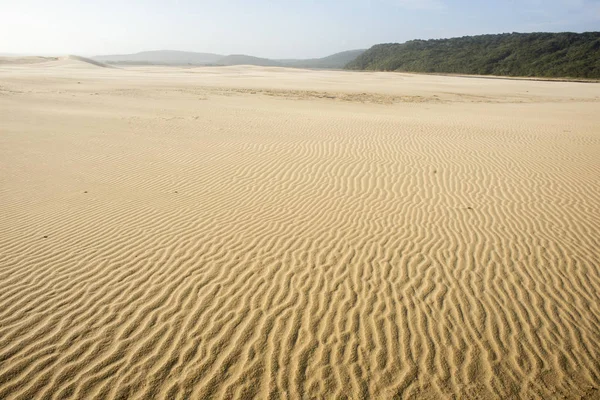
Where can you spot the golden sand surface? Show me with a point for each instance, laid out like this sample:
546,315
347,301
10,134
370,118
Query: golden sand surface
249,232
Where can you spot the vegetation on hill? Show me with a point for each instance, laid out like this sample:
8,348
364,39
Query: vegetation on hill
510,54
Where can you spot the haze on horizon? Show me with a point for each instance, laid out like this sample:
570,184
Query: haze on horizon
273,29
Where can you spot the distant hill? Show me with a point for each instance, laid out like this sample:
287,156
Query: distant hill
172,57
512,54
241,59
337,60
161,57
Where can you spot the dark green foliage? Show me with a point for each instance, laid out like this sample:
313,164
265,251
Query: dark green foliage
554,55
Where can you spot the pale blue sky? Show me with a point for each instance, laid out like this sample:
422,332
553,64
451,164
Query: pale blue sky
270,28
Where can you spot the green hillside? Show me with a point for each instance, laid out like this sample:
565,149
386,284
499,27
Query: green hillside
512,54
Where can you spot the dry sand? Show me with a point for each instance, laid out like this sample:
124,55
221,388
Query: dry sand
245,232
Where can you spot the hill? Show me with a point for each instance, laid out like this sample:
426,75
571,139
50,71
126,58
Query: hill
172,57
161,57
242,59
511,54
337,60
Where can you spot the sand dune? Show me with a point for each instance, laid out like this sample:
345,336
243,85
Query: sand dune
88,61
253,232
24,60
45,62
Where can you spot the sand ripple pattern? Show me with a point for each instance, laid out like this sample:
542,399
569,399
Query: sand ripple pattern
280,250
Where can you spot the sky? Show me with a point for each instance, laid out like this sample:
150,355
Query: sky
270,28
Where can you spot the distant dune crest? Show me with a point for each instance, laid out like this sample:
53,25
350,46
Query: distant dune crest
70,60
17,60
88,60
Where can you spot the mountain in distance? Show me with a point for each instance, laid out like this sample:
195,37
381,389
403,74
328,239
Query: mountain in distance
242,59
549,55
334,61
161,57
173,57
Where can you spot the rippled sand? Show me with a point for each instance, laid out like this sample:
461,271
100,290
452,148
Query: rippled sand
247,232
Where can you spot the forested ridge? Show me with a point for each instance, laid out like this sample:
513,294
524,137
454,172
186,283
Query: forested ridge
573,55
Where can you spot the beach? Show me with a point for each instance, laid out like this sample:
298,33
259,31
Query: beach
267,232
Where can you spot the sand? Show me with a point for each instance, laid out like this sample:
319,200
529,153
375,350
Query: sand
248,232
